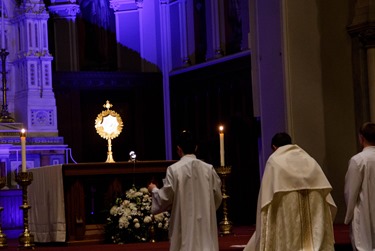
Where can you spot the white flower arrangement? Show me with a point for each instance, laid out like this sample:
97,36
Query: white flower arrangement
130,219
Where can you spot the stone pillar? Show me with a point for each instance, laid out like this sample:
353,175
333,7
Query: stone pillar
174,25
214,49
66,52
186,61
150,36
127,18
362,31
165,39
371,80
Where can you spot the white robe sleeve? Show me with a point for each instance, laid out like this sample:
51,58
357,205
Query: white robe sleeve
162,199
353,182
250,246
217,189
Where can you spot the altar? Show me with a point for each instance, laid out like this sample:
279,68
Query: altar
69,202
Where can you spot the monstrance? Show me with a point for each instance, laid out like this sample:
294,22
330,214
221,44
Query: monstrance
108,125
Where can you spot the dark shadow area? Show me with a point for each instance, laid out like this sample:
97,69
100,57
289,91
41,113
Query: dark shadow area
204,98
137,98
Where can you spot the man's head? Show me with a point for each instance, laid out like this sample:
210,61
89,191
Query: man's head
280,139
367,134
186,143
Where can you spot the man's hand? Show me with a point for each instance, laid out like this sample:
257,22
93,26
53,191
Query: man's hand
151,186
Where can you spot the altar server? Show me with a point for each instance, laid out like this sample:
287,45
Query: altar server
192,191
295,210
360,192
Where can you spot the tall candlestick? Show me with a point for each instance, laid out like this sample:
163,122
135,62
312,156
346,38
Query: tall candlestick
23,149
2,26
221,134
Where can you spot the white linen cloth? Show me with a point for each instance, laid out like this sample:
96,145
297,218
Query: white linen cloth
360,199
192,190
46,198
295,210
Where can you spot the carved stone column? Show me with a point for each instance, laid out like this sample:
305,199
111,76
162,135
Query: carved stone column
371,80
128,16
64,23
214,30
362,32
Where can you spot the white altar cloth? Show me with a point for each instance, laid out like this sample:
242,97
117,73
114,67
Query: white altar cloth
46,198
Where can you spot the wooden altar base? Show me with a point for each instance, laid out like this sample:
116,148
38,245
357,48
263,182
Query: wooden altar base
240,237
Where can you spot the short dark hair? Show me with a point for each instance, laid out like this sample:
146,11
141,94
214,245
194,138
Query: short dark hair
281,139
186,142
367,130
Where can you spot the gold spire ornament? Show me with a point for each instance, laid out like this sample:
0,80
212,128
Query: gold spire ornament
108,125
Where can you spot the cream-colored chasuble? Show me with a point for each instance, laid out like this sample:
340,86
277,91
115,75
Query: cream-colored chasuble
295,209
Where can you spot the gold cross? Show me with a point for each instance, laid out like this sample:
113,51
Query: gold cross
107,105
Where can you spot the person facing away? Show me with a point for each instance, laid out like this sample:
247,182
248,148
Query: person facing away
359,192
192,191
295,209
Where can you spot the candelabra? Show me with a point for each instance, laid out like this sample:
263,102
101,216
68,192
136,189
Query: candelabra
26,239
225,224
3,238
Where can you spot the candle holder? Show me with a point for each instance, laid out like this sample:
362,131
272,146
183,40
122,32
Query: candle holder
3,238
26,239
225,224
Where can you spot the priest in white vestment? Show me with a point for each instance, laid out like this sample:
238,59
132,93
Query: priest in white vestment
295,209
192,191
360,192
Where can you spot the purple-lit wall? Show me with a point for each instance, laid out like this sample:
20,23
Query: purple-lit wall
175,34
12,215
150,36
129,34
269,77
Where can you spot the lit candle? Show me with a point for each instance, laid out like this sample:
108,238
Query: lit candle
2,26
221,134
23,149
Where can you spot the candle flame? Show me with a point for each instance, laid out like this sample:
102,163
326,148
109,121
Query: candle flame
23,132
221,128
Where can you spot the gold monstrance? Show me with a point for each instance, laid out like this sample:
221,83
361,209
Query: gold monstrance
108,125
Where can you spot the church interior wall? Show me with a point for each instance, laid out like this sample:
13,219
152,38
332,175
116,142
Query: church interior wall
338,95
150,37
318,75
64,44
303,76
267,73
95,38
